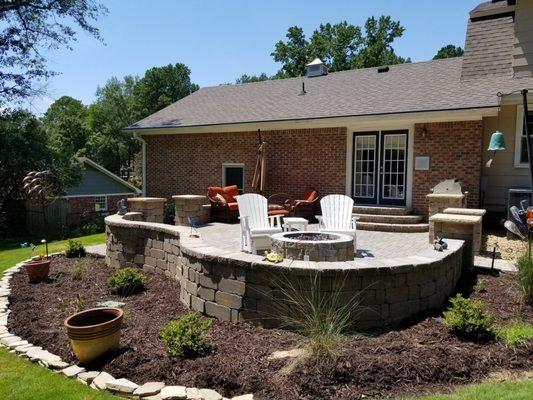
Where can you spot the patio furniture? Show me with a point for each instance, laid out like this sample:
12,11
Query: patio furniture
256,225
337,216
223,202
289,222
283,204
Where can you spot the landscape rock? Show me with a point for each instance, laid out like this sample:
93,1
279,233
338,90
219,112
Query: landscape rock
72,371
209,394
174,393
149,389
244,397
193,394
121,385
12,345
287,354
87,377
57,364
9,339
101,380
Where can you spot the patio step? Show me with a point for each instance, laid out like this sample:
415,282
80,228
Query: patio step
381,210
386,227
389,219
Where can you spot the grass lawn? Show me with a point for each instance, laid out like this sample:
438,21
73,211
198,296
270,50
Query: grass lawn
22,380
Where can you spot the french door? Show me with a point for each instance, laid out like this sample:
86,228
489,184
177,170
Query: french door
380,167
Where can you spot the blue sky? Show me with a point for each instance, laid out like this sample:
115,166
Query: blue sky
221,40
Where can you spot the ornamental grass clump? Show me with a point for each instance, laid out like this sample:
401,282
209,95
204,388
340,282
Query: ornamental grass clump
188,336
466,318
525,276
323,317
516,333
127,281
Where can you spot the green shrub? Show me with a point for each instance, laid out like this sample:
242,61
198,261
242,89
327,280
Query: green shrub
187,336
466,318
525,276
516,332
74,249
127,281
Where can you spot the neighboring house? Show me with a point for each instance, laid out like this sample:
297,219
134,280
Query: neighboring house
97,194
384,136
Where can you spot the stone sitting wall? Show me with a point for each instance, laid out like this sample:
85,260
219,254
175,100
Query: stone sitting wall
235,286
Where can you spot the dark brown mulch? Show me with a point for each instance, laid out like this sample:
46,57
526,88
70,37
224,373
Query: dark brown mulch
421,358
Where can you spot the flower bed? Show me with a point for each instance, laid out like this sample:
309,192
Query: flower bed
418,358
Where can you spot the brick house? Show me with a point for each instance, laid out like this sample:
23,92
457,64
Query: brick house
383,136
97,194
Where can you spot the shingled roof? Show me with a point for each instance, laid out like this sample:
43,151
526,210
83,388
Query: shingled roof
437,85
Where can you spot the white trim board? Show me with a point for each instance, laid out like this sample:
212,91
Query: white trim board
73,196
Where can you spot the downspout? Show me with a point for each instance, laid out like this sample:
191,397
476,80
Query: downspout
143,163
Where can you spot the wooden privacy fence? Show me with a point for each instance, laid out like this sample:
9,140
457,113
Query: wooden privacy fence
48,219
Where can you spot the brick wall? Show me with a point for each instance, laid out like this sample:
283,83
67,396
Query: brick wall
296,159
83,207
455,151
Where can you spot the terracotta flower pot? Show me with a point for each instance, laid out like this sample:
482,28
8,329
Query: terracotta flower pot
38,269
94,332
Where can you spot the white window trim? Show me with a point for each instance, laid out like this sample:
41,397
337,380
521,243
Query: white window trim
103,209
518,136
232,165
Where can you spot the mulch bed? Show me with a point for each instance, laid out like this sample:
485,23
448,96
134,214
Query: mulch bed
422,357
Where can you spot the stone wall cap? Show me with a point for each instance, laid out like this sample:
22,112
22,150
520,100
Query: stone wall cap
456,218
147,200
465,211
189,196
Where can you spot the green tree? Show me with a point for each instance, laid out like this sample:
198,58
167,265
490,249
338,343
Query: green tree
113,109
162,86
25,148
252,78
29,27
65,123
449,51
377,44
294,54
341,46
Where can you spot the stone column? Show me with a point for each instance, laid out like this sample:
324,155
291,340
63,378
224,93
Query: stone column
439,202
191,206
152,208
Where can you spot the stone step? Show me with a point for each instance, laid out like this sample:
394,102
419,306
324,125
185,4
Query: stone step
390,219
381,210
383,227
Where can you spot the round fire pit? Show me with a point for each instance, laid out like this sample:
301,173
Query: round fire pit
317,245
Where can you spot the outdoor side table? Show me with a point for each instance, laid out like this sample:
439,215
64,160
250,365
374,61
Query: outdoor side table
289,222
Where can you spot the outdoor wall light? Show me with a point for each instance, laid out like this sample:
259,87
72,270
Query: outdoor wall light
424,132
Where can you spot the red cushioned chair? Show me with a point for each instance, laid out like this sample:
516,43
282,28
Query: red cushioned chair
282,204
226,208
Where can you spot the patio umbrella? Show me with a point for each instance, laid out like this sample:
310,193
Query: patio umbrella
259,181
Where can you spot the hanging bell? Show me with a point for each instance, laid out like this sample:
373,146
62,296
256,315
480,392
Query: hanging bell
497,142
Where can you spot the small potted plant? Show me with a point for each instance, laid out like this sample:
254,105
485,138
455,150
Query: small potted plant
38,266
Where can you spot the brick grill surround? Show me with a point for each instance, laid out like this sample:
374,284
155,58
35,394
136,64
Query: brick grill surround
242,287
455,151
296,159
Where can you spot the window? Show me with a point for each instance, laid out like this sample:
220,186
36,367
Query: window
233,174
100,203
520,157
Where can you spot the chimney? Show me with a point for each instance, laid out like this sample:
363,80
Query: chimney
316,68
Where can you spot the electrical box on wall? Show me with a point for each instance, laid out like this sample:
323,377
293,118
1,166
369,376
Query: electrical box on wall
422,163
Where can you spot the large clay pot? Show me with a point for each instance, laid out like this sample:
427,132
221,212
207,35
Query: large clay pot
38,269
94,332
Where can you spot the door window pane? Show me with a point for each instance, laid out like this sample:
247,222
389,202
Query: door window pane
234,175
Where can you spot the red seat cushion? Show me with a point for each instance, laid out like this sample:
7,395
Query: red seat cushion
233,206
310,195
229,193
282,212
212,191
272,207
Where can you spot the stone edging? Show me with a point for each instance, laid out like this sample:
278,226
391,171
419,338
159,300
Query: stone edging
95,379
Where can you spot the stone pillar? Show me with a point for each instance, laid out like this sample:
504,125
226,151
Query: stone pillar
152,208
439,202
191,206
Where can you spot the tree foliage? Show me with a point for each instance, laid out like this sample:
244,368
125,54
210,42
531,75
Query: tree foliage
29,27
252,78
341,46
449,51
162,86
25,148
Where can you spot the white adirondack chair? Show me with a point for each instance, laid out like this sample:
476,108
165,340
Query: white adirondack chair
256,225
337,216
